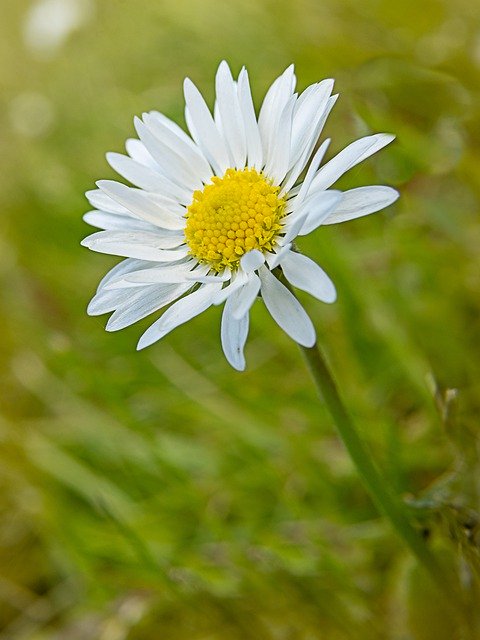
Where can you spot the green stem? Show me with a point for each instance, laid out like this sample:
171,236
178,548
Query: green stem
385,500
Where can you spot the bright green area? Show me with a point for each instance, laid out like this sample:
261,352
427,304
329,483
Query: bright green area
163,495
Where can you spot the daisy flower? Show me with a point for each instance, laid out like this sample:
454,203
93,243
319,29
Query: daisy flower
213,215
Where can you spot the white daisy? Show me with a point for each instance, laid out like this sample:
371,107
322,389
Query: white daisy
213,217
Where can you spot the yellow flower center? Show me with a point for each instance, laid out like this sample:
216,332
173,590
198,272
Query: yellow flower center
234,214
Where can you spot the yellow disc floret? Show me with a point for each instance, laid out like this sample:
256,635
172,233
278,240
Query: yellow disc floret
236,213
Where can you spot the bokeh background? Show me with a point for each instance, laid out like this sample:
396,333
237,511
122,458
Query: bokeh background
161,494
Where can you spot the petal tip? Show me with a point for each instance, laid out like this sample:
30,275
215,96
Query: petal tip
310,342
104,184
188,85
141,344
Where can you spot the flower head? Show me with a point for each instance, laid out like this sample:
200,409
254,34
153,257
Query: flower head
212,216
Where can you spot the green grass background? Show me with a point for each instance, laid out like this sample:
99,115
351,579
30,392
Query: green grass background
161,494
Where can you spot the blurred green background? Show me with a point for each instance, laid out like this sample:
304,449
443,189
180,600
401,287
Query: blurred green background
161,494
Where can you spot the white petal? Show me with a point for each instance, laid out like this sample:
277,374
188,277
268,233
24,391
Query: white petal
274,259
189,153
207,279
286,310
278,156
238,280
100,200
254,142
309,109
245,296
171,162
230,115
348,158
293,226
136,244
218,121
147,178
181,311
105,301
314,164
305,274
142,206
115,221
204,132
138,174
142,304
123,267
273,105
234,334
137,151
319,207
173,126
152,273
167,274
252,260
299,166
360,202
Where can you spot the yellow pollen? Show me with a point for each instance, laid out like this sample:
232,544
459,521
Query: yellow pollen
236,213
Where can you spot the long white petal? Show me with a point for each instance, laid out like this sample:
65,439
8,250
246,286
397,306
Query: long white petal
144,207
167,274
147,178
237,281
278,156
204,132
246,296
234,334
173,126
286,310
122,268
361,202
305,274
189,153
115,221
312,168
294,173
230,115
151,299
319,207
209,278
181,311
151,238
309,108
348,158
135,244
254,142
105,301
274,259
293,226
252,260
138,152
103,202
171,162
273,105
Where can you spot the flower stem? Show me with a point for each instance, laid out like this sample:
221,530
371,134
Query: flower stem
383,497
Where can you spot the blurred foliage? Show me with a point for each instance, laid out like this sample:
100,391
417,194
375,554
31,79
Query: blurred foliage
161,494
